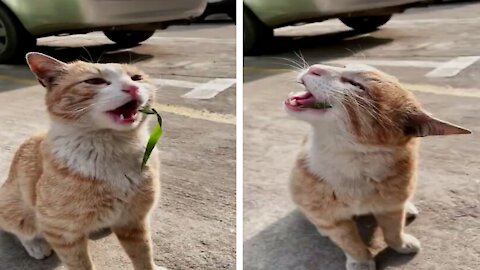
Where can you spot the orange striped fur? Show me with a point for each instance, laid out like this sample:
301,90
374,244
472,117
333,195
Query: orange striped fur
360,157
84,174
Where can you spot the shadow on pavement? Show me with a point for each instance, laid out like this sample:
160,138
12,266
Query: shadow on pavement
102,53
293,243
216,21
14,257
455,2
105,53
319,48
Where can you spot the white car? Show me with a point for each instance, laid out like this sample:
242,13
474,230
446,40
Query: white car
126,22
260,17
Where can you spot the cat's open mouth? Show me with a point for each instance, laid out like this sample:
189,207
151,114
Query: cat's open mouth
305,101
127,113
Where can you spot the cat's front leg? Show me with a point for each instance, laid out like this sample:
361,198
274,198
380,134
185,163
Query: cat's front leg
392,225
345,235
135,239
71,249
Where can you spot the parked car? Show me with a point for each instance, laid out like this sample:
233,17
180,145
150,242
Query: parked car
126,22
219,7
260,17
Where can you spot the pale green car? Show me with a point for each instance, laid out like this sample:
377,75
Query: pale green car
126,22
260,17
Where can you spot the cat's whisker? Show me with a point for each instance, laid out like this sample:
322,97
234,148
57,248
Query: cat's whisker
302,58
370,109
296,65
286,59
295,68
91,58
99,59
350,97
340,100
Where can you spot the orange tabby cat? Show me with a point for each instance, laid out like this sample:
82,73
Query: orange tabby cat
361,155
85,173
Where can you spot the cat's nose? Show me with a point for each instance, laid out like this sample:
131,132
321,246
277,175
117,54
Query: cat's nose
317,71
131,89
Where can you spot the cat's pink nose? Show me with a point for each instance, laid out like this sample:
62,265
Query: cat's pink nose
317,71
131,89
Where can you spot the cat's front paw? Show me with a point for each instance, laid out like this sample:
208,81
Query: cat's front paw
37,248
353,264
410,245
160,268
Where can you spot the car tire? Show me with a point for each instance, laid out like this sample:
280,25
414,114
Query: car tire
255,32
15,41
128,38
368,23
232,15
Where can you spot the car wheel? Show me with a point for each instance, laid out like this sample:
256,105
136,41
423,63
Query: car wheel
232,15
128,38
368,23
15,41
255,32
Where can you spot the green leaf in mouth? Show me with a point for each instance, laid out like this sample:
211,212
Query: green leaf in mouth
319,105
154,136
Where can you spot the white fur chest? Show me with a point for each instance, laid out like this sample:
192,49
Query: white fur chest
350,168
115,159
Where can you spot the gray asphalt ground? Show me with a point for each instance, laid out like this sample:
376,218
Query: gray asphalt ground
276,235
194,224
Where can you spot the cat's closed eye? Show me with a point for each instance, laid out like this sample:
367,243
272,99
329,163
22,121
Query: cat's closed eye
352,82
137,77
96,81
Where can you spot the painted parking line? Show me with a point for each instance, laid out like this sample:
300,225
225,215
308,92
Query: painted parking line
425,88
171,38
441,90
390,63
17,80
253,69
175,83
210,89
441,69
168,108
197,114
453,67
206,90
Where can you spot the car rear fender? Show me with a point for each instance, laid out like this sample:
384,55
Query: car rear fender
283,12
32,14
6,5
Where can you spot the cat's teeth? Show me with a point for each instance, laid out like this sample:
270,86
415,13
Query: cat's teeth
122,117
293,102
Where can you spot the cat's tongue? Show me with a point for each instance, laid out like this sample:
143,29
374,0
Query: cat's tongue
298,100
126,113
305,100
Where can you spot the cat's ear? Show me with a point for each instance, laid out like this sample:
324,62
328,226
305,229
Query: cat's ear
421,124
46,68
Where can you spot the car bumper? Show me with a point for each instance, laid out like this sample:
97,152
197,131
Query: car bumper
283,12
43,17
329,7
